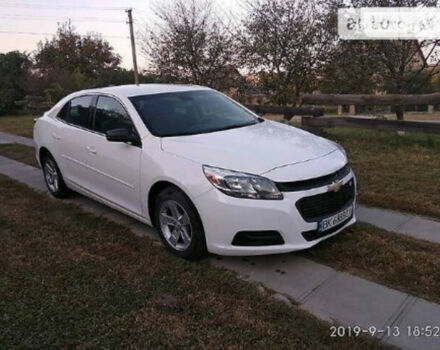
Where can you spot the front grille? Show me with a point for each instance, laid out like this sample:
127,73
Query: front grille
316,207
257,238
315,182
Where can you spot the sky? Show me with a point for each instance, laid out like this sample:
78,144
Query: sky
23,23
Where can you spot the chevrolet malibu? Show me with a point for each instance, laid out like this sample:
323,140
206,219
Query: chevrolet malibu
208,173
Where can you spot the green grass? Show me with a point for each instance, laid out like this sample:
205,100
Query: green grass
396,172
21,125
21,153
388,258
71,279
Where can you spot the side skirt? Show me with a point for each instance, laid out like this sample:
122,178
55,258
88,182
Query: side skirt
74,186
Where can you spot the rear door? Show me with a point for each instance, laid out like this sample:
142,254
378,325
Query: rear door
115,166
71,137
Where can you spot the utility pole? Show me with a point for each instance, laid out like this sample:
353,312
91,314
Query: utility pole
133,47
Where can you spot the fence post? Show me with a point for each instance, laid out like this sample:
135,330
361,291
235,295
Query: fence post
352,110
339,109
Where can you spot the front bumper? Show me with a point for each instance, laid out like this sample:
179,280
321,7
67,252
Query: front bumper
223,216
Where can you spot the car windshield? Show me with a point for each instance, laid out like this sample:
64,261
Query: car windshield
190,112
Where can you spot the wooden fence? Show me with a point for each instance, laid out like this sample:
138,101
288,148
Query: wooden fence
287,111
34,104
375,124
352,101
378,100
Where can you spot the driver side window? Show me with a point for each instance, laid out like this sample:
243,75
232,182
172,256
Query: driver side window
110,114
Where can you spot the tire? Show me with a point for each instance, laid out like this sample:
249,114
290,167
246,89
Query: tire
183,237
53,178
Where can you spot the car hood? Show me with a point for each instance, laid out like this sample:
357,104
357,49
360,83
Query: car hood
254,149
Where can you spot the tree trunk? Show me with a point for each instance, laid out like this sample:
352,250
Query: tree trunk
399,112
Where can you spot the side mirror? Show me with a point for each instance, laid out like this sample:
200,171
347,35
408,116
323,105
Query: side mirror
122,135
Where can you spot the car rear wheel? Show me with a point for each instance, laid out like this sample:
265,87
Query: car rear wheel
179,225
53,178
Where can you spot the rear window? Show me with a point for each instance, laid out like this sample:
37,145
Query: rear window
77,111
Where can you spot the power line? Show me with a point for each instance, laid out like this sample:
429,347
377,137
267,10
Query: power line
58,7
79,19
46,33
26,33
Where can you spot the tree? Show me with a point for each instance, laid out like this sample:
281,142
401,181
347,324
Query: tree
191,45
345,75
13,69
288,41
122,77
70,51
70,61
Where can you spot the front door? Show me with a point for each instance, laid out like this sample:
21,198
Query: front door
114,166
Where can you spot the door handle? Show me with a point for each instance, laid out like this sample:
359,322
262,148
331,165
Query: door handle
56,137
91,149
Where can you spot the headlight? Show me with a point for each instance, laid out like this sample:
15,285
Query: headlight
237,184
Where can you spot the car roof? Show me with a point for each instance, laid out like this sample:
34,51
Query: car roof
145,89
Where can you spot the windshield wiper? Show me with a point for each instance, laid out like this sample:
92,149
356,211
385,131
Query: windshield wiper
233,127
189,133
209,130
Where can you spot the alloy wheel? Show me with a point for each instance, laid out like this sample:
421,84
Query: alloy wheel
175,225
51,175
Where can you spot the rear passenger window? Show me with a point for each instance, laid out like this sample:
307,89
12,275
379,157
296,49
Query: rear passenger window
77,111
111,115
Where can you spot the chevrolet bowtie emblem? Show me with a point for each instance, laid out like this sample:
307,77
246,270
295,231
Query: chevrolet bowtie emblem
335,186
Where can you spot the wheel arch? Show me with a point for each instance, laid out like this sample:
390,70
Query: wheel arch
156,189
43,152
152,194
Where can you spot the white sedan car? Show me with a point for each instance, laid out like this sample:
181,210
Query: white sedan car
205,171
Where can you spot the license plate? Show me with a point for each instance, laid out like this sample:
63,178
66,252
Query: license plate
334,220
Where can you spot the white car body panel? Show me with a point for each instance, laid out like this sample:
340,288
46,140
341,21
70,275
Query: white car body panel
113,171
72,155
255,149
307,169
121,175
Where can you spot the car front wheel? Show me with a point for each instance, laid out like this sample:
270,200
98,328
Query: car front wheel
179,225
